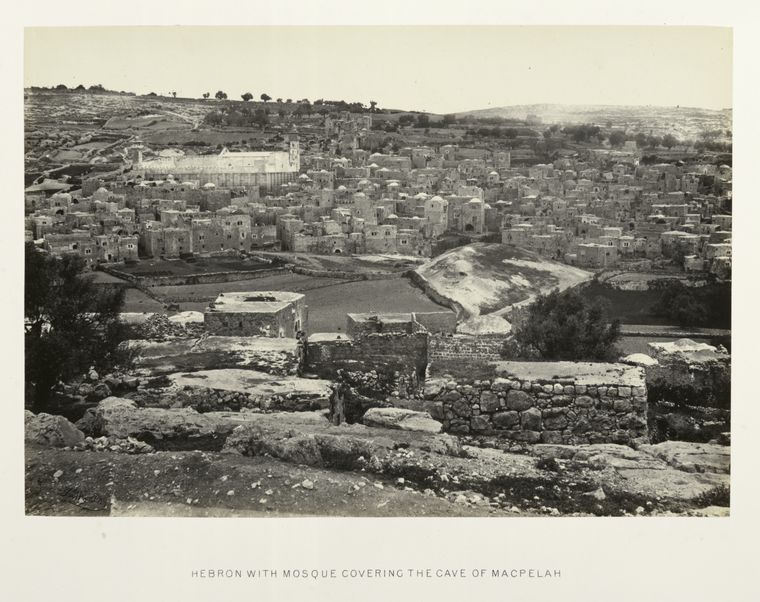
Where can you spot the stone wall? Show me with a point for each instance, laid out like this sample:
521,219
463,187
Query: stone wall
549,402
203,399
207,278
462,354
689,385
400,358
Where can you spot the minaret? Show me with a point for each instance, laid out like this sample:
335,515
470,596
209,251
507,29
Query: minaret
294,156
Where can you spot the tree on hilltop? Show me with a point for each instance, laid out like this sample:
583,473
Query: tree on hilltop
265,97
247,96
220,95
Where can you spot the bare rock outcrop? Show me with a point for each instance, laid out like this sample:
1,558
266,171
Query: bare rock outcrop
49,430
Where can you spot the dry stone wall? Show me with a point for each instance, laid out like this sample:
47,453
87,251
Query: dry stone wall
557,402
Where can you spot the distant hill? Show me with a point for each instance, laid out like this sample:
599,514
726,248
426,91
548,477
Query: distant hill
683,122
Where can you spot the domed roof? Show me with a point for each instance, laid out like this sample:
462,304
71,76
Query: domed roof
303,176
342,188
392,216
394,184
474,202
100,190
436,198
209,185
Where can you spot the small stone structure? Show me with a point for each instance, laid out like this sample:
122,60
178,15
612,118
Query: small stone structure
550,402
690,373
689,391
257,313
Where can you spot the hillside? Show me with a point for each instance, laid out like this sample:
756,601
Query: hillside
685,122
487,279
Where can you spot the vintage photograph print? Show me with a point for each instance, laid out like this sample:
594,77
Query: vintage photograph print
361,271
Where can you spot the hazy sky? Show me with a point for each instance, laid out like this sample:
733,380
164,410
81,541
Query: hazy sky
438,69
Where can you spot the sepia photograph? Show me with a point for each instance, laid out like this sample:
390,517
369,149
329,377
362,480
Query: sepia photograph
404,301
492,281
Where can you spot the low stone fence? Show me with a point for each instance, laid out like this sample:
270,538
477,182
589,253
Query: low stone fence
203,399
421,282
345,275
209,277
549,402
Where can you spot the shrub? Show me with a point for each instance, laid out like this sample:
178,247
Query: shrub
565,326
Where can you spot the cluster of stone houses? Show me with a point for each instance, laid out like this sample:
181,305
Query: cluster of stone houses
593,209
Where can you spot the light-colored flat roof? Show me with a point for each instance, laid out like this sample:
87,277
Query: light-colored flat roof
254,302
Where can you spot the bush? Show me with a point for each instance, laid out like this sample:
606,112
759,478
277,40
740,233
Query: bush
565,326
683,305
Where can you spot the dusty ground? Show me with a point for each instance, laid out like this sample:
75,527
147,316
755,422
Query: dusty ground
199,484
602,480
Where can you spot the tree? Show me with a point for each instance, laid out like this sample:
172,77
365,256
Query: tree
261,117
641,140
617,138
279,100
70,323
206,94
669,141
61,87
372,106
265,97
423,120
566,326
174,94
681,304
220,95
247,96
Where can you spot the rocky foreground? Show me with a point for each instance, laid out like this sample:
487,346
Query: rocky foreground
122,459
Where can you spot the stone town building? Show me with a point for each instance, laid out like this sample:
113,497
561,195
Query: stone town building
276,314
229,169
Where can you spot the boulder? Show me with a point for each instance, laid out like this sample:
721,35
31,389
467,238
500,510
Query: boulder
162,428
692,457
101,391
639,359
53,431
399,418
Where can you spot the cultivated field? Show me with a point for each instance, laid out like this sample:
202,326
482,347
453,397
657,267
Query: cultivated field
329,299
